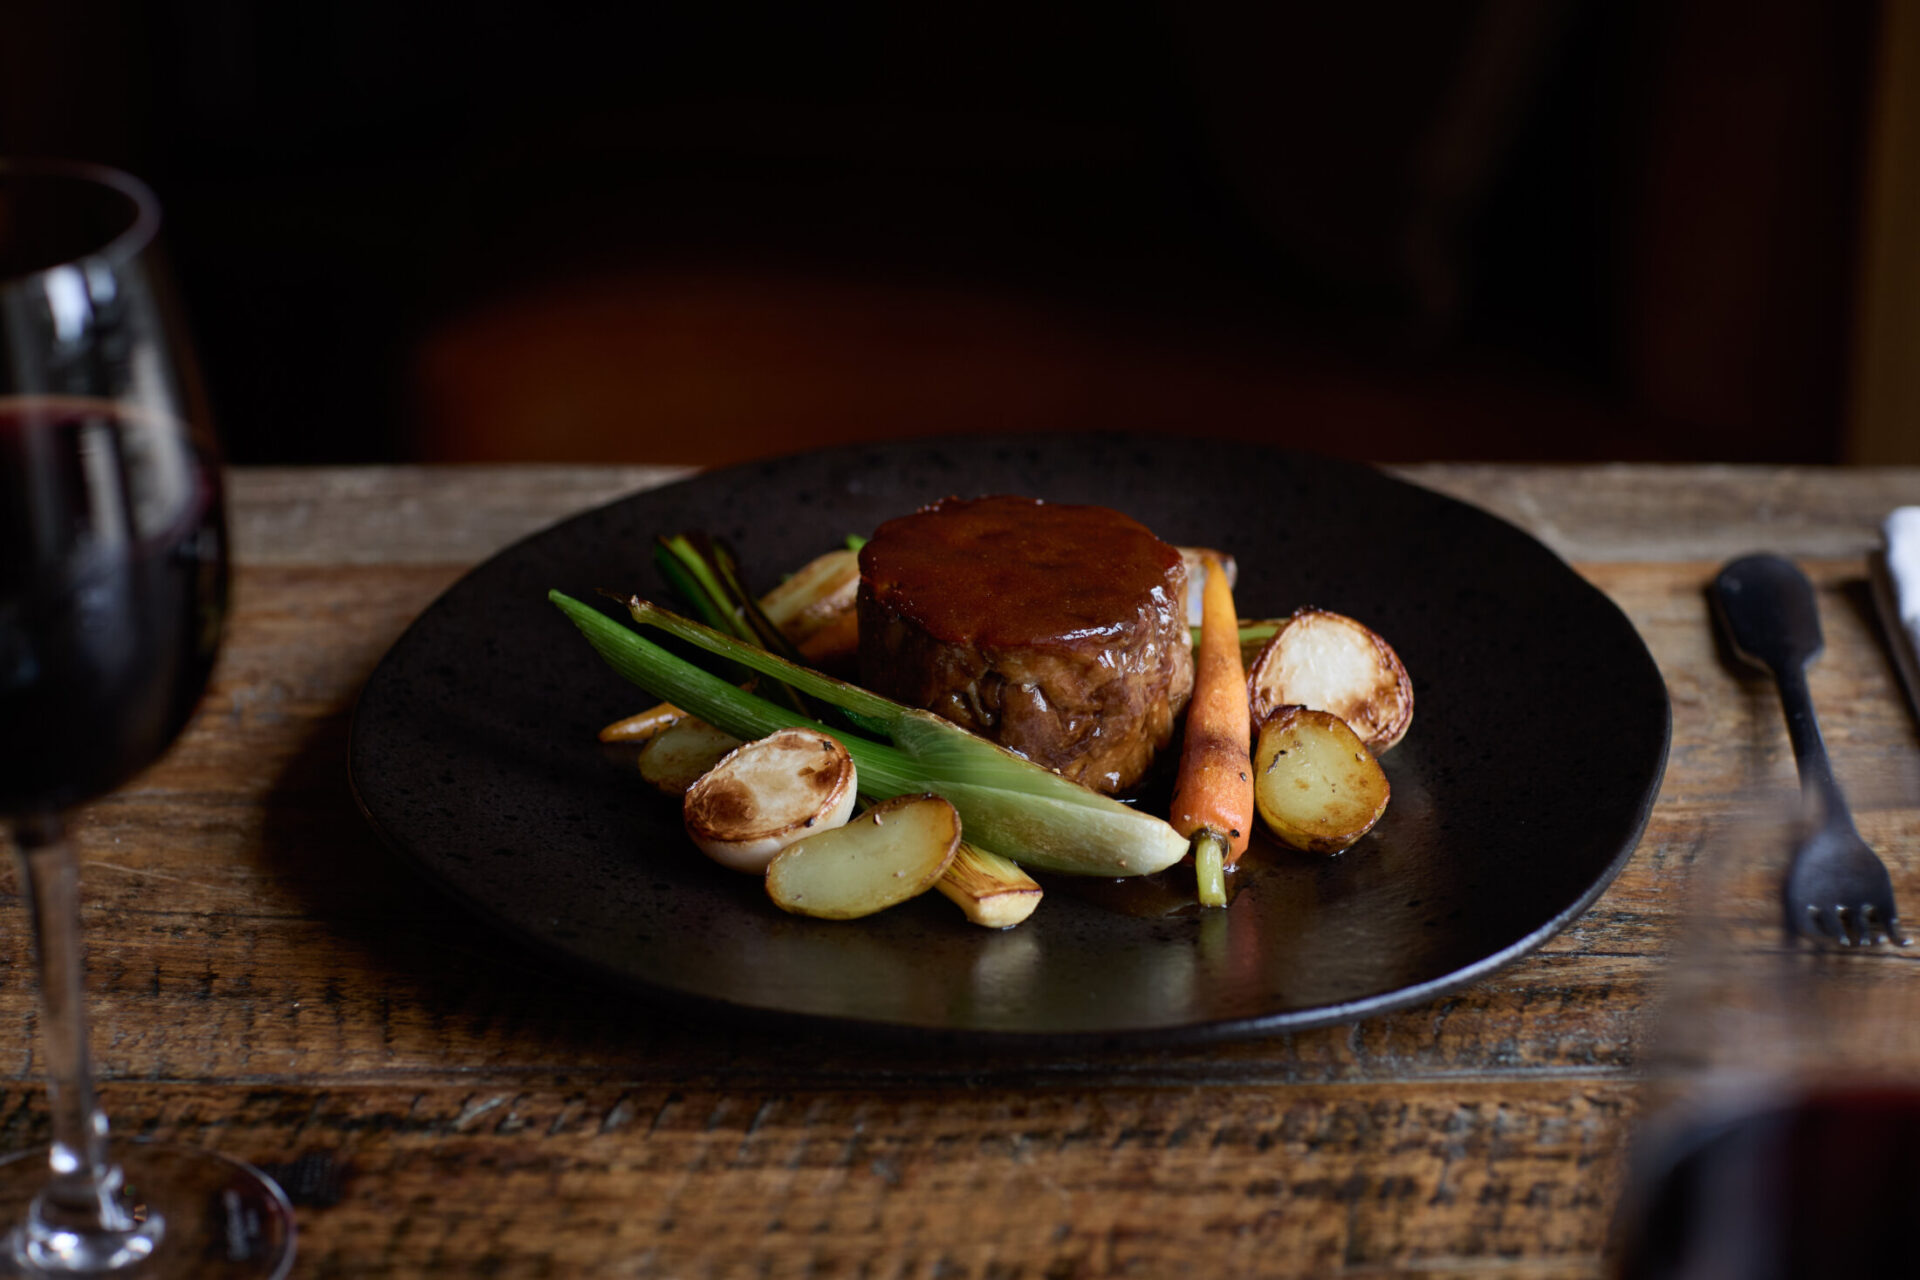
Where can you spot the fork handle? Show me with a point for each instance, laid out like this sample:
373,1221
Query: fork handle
1817,783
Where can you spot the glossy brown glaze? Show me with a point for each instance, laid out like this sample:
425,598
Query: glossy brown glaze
1005,571
1057,631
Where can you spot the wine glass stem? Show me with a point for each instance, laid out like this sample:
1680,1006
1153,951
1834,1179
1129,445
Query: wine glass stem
80,1194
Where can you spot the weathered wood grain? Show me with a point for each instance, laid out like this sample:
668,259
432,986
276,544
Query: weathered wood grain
265,978
413,515
695,1181
459,514
1629,512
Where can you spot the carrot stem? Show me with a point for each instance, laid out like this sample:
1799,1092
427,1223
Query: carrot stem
1213,792
1210,868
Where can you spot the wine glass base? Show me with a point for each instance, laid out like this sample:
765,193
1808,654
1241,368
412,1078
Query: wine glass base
201,1213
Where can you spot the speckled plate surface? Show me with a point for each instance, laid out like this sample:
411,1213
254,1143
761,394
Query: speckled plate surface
1539,738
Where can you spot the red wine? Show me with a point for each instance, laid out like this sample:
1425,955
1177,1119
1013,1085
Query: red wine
113,583
1824,1184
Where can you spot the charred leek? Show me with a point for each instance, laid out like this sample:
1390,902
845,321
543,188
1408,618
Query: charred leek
992,890
1007,803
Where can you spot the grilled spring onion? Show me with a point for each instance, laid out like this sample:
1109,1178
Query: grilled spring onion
704,573
703,570
812,608
1008,804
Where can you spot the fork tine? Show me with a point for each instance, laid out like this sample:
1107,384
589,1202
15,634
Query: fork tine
1891,926
1812,928
1885,923
1870,929
1820,928
1842,925
1862,919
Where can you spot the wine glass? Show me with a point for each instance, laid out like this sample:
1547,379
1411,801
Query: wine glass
113,581
1781,1110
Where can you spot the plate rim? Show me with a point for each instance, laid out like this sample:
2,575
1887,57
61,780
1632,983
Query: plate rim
1210,1031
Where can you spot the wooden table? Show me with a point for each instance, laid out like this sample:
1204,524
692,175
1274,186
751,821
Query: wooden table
265,979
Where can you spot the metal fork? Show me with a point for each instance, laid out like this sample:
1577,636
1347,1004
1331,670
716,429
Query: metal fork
1837,889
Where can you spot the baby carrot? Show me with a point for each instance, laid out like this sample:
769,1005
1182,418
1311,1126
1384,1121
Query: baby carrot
1213,793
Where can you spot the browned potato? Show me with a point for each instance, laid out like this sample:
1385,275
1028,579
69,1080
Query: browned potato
1329,662
819,593
675,757
1254,634
894,851
767,794
643,727
835,643
1316,785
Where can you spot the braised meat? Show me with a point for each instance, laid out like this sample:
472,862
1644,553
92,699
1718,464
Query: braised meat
1057,631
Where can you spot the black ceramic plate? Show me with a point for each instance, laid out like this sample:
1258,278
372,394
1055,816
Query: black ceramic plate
1539,738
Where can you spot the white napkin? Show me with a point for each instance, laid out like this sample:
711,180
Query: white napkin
1895,573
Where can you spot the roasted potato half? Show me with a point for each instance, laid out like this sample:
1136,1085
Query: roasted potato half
676,756
767,794
1254,634
643,727
1329,662
821,592
894,851
1316,785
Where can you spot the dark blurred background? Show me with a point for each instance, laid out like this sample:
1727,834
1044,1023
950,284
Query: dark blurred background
1529,229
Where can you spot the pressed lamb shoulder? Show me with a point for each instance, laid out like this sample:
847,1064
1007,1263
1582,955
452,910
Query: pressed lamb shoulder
1058,631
